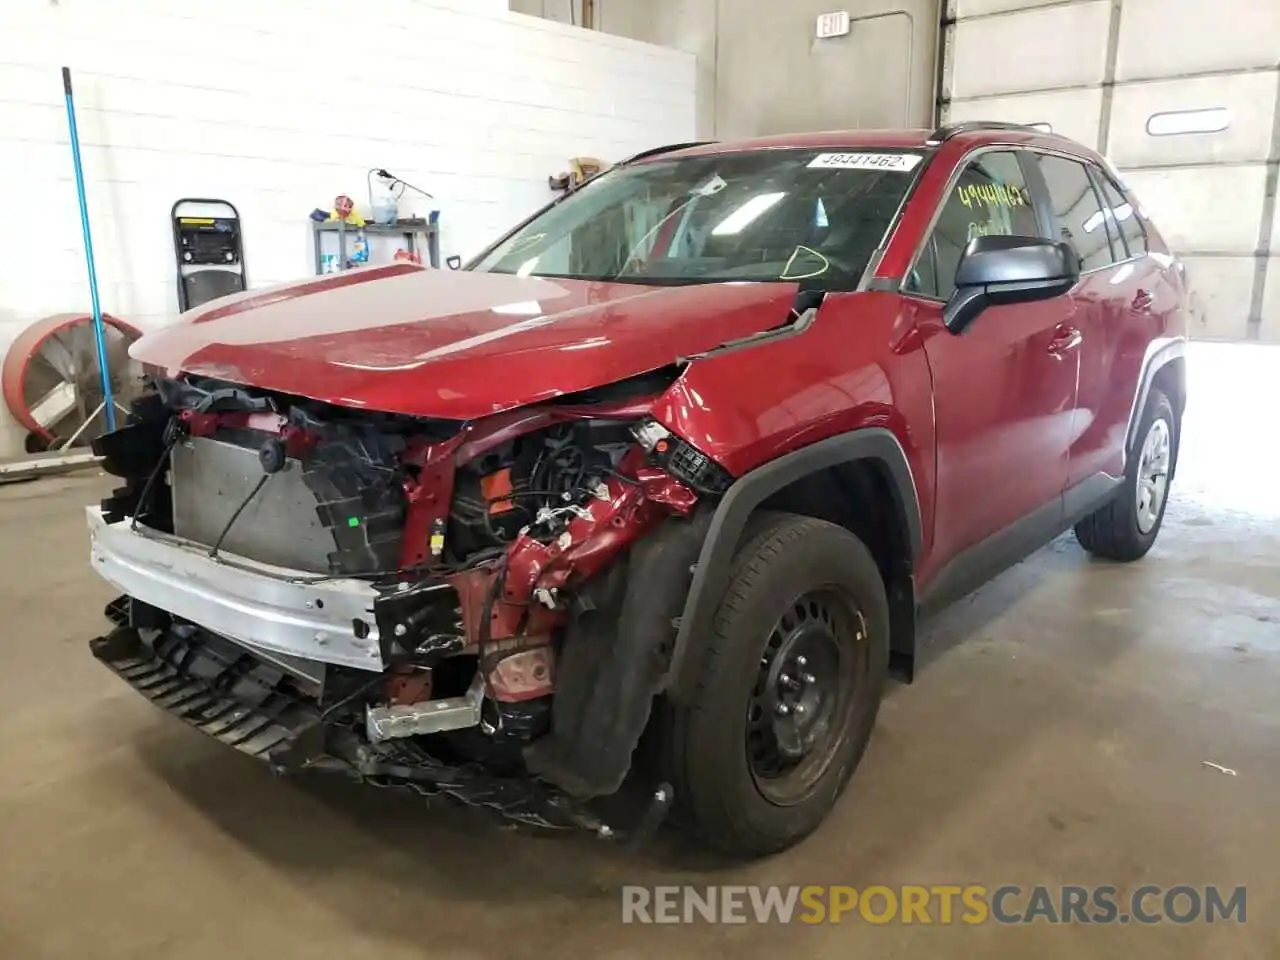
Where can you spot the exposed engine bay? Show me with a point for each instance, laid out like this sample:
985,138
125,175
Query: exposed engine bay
410,600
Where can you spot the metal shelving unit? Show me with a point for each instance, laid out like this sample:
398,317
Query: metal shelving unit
417,233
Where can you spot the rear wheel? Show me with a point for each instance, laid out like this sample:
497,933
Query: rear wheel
1126,527
789,684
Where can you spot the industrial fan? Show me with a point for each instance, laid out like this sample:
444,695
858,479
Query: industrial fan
51,383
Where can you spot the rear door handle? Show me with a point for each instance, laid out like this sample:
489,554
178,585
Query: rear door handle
1065,339
1142,300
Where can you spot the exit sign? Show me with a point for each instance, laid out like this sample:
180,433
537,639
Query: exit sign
833,24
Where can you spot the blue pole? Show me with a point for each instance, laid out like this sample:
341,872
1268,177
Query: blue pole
99,334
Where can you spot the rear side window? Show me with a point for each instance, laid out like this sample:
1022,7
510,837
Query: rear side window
1077,211
990,198
1135,235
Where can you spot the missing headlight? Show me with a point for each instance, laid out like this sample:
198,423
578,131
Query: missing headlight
680,458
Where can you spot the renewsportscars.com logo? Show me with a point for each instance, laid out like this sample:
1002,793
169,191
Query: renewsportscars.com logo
940,904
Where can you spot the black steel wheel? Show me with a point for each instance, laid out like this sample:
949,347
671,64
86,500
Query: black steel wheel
804,693
788,686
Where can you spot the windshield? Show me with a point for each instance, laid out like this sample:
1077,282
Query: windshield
767,215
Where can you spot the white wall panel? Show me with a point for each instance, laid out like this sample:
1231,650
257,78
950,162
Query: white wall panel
1038,49
1249,97
470,102
1270,328
1222,288
978,8
1204,209
1206,191
1072,113
1161,38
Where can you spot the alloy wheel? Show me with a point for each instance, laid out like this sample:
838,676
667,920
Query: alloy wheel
1153,475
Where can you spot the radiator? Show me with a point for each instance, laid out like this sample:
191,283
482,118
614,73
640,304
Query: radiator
280,526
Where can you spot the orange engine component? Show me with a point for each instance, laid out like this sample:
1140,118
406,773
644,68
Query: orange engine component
496,489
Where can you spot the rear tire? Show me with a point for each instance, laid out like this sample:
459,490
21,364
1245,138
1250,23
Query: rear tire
788,685
1126,527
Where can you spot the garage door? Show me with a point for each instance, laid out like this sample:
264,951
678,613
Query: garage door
1180,95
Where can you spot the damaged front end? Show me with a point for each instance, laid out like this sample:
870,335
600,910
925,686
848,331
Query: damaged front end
484,609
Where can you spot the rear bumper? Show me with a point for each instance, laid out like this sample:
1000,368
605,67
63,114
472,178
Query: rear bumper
281,611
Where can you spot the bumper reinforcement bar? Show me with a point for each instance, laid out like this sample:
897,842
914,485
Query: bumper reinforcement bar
288,612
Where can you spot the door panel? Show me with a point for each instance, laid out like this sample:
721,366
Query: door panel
1136,302
1005,388
1125,305
1080,220
1005,401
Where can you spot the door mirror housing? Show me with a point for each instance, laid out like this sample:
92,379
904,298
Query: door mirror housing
998,270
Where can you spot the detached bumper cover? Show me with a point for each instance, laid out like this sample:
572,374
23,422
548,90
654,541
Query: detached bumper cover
275,609
229,694
215,688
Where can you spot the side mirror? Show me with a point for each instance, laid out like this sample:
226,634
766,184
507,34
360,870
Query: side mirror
997,270
454,262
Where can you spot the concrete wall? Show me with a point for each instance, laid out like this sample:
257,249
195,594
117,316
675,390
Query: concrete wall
760,70
276,107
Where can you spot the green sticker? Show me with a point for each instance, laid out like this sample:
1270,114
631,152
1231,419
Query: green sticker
353,521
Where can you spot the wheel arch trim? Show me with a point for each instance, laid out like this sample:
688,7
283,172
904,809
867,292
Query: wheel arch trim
1159,354
752,489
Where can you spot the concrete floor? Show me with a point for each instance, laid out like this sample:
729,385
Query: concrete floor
1055,735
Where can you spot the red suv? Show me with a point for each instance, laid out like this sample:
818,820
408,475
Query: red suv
655,489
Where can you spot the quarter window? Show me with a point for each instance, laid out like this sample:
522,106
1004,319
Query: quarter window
1135,235
1077,212
990,198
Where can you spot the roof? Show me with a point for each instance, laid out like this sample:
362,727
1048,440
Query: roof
839,139
968,134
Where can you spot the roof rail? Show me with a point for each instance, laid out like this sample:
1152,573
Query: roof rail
949,130
669,148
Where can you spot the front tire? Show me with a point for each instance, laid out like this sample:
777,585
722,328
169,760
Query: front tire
1126,527
789,683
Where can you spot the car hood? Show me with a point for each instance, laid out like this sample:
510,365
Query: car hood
454,344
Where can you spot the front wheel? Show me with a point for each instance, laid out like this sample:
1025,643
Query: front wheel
1126,527
789,683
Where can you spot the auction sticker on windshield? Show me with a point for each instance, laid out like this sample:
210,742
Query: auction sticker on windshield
900,162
